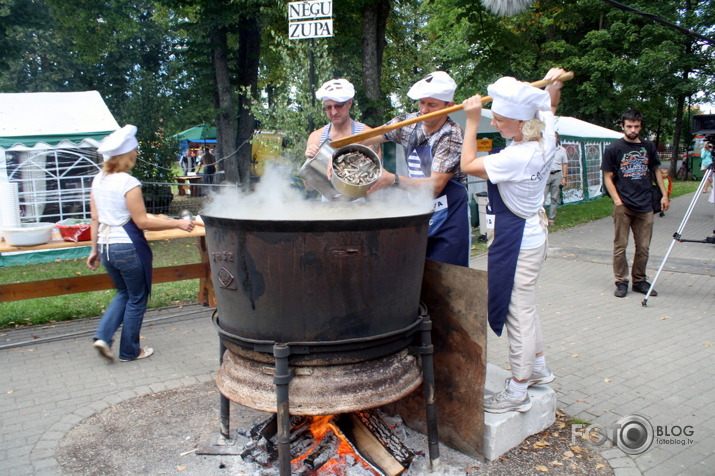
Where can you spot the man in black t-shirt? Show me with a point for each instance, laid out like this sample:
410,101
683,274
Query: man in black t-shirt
628,166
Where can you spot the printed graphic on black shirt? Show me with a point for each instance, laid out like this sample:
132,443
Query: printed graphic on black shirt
634,164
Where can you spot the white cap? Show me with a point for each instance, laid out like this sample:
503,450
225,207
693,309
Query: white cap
119,142
517,100
339,90
438,85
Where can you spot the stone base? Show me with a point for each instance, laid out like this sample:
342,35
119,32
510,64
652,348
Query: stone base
504,431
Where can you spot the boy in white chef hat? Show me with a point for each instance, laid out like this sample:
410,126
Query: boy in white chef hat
337,96
432,150
516,180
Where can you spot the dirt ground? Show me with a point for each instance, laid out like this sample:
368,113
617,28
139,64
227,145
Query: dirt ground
159,434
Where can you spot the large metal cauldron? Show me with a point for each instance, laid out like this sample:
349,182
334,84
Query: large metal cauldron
307,282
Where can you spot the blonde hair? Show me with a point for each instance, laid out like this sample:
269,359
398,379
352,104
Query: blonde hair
120,163
532,129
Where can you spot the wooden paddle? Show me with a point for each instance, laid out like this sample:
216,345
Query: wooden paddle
361,136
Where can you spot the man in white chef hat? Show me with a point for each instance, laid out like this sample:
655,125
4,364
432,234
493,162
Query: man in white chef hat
337,96
432,150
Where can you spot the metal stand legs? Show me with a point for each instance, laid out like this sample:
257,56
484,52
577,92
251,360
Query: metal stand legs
427,351
282,377
224,401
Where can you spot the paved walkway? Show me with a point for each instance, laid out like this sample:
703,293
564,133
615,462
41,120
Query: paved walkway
612,356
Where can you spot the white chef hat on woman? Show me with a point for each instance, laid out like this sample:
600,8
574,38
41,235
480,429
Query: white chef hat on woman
517,100
338,90
438,85
119,142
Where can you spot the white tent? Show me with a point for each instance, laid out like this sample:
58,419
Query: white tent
48,146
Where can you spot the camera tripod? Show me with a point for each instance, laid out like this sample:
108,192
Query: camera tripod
677,236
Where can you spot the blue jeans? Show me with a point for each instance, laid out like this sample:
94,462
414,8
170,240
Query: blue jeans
128,306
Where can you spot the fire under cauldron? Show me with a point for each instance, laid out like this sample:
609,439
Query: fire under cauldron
318,317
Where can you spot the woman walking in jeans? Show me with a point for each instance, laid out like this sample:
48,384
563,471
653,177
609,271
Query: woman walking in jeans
118,220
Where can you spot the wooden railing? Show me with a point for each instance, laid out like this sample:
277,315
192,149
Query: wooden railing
98,282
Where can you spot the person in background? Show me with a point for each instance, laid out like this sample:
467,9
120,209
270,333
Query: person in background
667,183
186,163
432,150
628,166
208,162
118,218
516,180
557,179
706,158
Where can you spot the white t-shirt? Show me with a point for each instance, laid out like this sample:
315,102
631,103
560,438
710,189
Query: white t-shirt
109,193
520,172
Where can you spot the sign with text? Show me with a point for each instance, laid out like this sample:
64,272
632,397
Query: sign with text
317,16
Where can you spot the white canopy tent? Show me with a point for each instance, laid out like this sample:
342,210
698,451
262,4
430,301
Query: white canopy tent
48,146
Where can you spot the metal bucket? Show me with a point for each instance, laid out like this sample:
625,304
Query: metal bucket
350,189
317,281
315,172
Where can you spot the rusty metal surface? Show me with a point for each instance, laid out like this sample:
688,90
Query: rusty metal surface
321,390
298,281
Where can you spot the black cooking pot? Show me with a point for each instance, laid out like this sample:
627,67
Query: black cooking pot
317,281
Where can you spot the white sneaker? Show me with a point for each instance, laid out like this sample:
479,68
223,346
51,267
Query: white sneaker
505,401
103,349
541,378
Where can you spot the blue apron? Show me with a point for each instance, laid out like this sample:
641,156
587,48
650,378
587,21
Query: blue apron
143,249
448,236
502,258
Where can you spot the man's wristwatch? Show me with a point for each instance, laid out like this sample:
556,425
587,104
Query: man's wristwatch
396,181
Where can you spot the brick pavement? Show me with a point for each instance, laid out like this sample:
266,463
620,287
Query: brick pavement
612,356
49,387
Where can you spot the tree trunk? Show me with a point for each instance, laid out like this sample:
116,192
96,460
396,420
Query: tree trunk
249,33
225,126
373,45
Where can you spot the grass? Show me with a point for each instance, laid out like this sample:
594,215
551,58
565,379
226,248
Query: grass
183,251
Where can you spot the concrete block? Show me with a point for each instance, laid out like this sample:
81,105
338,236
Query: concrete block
504,431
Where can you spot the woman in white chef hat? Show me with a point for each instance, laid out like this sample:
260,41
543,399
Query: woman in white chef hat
118,219
516,180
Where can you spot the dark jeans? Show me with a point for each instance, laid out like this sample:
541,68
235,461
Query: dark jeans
129,305
641,224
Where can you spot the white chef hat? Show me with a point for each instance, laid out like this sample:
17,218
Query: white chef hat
517,100
438,85
119,142
339,90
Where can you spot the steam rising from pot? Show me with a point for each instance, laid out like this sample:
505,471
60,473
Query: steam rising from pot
274,198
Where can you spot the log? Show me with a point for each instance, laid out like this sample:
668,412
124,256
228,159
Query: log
370,448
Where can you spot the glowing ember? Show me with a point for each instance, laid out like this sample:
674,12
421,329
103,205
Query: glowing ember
343,459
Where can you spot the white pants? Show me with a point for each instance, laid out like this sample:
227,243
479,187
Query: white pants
522,322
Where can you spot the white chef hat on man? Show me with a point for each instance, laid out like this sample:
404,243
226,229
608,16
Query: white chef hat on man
438,85
338,90
119,142
517,100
